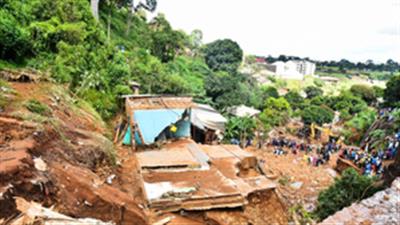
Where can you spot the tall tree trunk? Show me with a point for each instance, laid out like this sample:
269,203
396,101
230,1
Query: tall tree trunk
129,18
128,23
109,25
94,5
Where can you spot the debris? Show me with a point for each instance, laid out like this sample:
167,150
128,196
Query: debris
164,221
331,172
179,192
110,178
32,212
87,203
40,164
296,185
189,176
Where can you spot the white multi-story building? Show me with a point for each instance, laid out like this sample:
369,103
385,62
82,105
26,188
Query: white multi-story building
293,69
305,67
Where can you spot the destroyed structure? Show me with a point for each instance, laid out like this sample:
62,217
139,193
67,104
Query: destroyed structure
182,174
154,119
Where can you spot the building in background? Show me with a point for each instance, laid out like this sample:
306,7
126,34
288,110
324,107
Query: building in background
305,67
292,69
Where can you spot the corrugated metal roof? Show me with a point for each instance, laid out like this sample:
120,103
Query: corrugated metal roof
158,102
169,173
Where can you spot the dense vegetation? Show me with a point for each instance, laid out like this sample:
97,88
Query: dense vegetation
97,58
350,187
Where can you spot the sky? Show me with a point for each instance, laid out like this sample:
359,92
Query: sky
357,30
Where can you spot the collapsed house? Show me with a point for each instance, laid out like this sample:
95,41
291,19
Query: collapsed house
154,119
182,174
185,175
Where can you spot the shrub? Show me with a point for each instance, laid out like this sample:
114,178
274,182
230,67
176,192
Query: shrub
379,92
348,103
319,100
240,128
377,138
37,107
392,91
103,102
318,82
358,125
364,92
269,91
317,114
350,187
3,102
14,40
294,99
313,91
276,113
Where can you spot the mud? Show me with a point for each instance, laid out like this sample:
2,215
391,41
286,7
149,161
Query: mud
263,208
290,168
84,194
74,163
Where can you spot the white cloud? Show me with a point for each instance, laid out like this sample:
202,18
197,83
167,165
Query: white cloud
321,29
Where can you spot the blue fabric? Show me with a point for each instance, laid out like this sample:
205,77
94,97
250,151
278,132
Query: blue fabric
152,122
127,137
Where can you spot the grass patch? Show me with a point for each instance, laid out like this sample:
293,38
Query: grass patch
3,102
8,65
31,117
284,180
37,107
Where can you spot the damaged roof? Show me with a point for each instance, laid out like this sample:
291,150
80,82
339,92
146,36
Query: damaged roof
147,102
206,117
151,115
155,118
185,175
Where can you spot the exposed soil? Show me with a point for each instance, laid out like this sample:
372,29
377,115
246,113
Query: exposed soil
78,164
263,208
62,162
290,168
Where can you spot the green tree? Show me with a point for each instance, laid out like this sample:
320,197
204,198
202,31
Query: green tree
227,90
195,41
363,91
269,91
240,128
347,104
150,6
379,92
355,128
392,91
317,114
223,55
349,188
192,70
277,112
166,41
313,91
295,99
14,39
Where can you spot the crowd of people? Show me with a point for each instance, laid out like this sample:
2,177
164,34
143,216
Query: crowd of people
371,161
315,154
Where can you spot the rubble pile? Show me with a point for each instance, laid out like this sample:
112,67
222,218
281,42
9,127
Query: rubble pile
381,208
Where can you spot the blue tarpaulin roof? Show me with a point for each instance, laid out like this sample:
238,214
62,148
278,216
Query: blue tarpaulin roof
152,122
